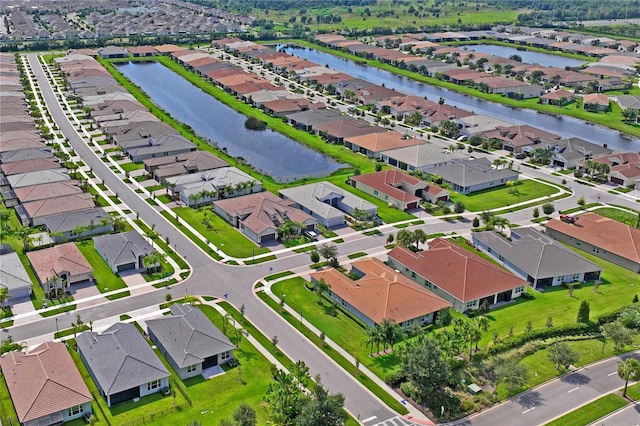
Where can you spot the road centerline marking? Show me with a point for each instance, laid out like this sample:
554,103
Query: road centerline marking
526,411
574,389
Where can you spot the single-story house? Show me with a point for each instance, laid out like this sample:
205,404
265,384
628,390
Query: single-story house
260,215
571,152
605,238
375,144
456,274
203,188
27,194
14,277
467,176
478,124
392,186
158,146
45,386
422,156
191,162
536,257
631,102
381,293
65,226
306,120
339,131
121,363
624,167
595,102
557,97
60,266
123,252
326,202
33,165
516,138
189,341
34,212
110,52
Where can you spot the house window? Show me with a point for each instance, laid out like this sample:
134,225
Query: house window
343,303
500,258
154,384
75,410
596,250
225,355
192,368
471,304
520,289
375,192
413,275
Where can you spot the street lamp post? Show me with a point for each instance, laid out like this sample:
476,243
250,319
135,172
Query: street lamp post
57,331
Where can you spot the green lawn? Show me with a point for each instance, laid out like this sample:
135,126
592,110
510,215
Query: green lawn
341,329
105,279
163,245
618,287
633,391
591,412
222,234
129,167
489,199
7,410
630,219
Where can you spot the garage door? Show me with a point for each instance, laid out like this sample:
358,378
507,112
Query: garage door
210,362
127,267
412,205
617,181
269,237
126,395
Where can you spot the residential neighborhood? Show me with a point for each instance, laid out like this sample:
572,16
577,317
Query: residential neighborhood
332,213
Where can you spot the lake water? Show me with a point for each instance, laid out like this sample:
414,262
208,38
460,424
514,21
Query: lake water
529,57
560,125
268,151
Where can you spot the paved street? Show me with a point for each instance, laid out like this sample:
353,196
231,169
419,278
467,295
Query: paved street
211,278
548,401
628,416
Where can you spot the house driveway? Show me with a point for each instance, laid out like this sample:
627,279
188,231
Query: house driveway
84,289
22,306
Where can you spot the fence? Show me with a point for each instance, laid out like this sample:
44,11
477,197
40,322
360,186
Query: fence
96,399
177,385
151,418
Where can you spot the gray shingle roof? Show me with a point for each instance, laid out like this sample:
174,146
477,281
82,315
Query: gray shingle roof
68,221
472,172
120,358
120,249
536,254
188,335
13,276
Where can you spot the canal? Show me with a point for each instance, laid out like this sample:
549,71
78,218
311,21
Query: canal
267,151
561,125
528,56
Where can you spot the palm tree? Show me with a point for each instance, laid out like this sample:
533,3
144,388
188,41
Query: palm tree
319,287
483,325
193,199
4,297
372,338
628,370
23,234
419,236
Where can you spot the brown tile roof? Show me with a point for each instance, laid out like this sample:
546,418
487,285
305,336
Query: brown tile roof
596,98
47,190
388,181
261,211
137,50
607,234
378,142
382,292
558,95
520,135
51,261
43,381
349,127
62,204
292,105
457,271
30,166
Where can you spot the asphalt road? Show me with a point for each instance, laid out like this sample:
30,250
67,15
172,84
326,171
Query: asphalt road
208,278
211,278
553,399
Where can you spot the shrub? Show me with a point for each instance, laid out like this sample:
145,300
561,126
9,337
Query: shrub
253,123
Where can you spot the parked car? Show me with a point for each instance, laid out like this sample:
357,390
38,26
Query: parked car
312,235
568,219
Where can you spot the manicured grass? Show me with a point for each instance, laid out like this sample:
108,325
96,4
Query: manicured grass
633,392
591,412
260,260
356,255
278,275
341,329
164,246
105,279
618,287
7,410
171,218
222,234
129,167
630,219
489,199
70,331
